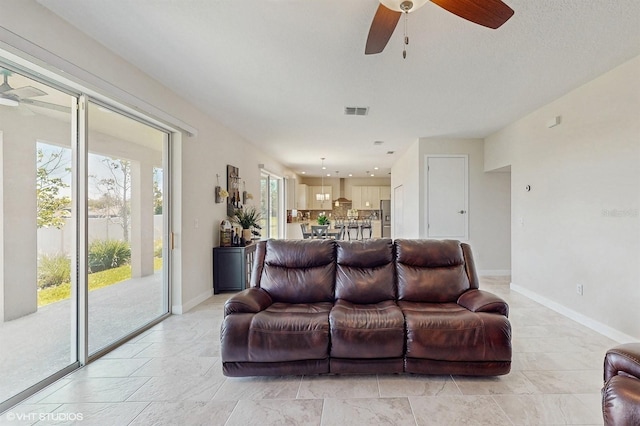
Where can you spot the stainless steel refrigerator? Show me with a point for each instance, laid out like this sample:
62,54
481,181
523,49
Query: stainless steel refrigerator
385,216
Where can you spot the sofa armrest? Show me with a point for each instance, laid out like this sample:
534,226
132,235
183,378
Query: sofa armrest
251,301
483,301
622,360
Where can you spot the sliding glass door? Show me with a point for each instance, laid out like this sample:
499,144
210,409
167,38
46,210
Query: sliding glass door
125,225
37,308
84,225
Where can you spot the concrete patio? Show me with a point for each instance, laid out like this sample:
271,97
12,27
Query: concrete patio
37,345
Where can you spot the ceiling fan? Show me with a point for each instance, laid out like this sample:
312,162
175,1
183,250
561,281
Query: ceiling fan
22,95
488,13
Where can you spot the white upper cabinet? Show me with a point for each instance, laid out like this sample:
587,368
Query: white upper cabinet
368,197
385,193
302,197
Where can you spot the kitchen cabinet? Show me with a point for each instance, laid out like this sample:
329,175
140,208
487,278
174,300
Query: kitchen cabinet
232,268
296,195
365,197
314,203
385,193
356,197
376,227
302,197
371,197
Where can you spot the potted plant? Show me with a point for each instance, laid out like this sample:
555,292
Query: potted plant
323,219
249,220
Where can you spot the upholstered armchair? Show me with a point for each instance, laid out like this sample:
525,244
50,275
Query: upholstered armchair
621,391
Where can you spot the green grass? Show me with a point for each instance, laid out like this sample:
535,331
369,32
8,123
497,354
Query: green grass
96,280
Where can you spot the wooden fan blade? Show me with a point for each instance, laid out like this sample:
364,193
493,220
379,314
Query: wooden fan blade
488,13
384,22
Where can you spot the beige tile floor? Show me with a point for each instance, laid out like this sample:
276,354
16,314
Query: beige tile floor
171,375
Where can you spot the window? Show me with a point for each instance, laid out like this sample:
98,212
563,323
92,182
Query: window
271,206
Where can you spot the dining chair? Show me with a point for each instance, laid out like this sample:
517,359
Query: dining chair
305,231
319,231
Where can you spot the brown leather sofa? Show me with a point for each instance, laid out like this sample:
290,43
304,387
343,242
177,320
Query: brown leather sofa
621,391
373,306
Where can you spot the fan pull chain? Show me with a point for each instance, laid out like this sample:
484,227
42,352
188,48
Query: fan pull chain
406,37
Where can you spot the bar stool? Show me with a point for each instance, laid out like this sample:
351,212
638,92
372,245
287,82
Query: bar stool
352,225
366,226
339,224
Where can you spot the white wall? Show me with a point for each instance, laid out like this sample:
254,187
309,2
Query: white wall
579,223
489,204
25,26
405,174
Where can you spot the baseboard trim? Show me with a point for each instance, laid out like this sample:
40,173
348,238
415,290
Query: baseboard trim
494,272
186,307
597,326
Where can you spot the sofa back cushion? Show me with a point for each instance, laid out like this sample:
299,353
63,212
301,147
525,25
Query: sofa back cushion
366,272
430,270
298,271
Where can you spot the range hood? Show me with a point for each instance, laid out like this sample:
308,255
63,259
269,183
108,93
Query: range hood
341,199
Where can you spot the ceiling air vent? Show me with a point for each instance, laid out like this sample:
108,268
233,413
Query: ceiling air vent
356,110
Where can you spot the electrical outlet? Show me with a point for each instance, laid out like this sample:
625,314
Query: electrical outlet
580,289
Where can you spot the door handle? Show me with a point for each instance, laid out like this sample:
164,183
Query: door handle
462,211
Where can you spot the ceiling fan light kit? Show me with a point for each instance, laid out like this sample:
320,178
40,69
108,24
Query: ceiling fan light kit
403,5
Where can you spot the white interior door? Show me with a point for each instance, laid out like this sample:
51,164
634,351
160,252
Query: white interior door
447,197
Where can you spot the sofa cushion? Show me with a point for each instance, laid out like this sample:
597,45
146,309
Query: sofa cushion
449,332
290,332
430,270
366,331
366,272
299,271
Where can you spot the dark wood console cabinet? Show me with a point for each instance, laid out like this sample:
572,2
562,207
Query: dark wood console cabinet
232,268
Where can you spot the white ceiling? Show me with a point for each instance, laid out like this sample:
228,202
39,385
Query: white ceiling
280,72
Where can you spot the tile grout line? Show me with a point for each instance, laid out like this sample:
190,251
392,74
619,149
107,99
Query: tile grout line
141,411
502,409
